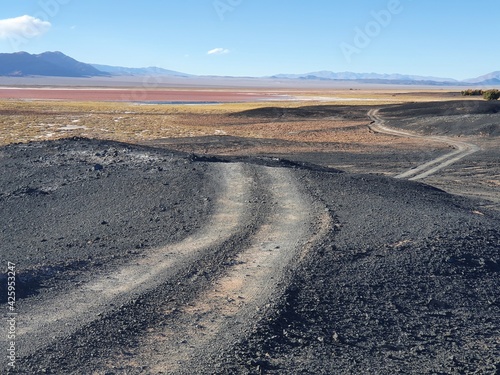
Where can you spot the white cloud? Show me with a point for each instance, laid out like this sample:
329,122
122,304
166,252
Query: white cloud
24,27
218,51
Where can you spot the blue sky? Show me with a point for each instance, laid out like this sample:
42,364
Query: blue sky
457,39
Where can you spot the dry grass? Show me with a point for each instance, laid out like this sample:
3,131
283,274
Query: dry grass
24,121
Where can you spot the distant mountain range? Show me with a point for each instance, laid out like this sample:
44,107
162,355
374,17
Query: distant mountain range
151,71
57,64
53,64
488,79
349,76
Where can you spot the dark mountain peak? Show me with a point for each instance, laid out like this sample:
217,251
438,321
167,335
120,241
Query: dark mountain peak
57,58
55,64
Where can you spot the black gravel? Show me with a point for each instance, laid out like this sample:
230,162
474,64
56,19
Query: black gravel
455,118
77,204
315,112
405,282
408,283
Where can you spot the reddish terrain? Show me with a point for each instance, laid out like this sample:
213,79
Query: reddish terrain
135,94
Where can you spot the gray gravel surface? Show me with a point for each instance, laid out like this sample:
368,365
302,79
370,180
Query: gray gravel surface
475,122
79,204
458,118
385,276
407,283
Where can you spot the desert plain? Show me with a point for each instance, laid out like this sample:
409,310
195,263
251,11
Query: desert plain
251,231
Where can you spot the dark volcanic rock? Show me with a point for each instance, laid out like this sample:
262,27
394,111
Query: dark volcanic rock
406,284
90,202
470,117
323,111
405,281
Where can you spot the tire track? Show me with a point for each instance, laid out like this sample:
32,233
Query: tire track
43,321
222,315
463,149
260,208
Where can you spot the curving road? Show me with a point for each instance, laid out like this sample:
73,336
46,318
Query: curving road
57,316
462,149
222,314
223,276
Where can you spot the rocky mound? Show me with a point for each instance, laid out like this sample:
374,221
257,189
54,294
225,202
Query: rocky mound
77,204
310,112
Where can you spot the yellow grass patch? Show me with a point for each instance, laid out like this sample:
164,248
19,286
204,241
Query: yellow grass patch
24,121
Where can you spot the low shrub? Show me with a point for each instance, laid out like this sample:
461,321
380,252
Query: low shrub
471,92
491,94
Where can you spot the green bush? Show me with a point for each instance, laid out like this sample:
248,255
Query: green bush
471,92
491,95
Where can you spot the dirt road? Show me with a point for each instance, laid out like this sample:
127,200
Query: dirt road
247,288
462,149
261,225
56,316
136,260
